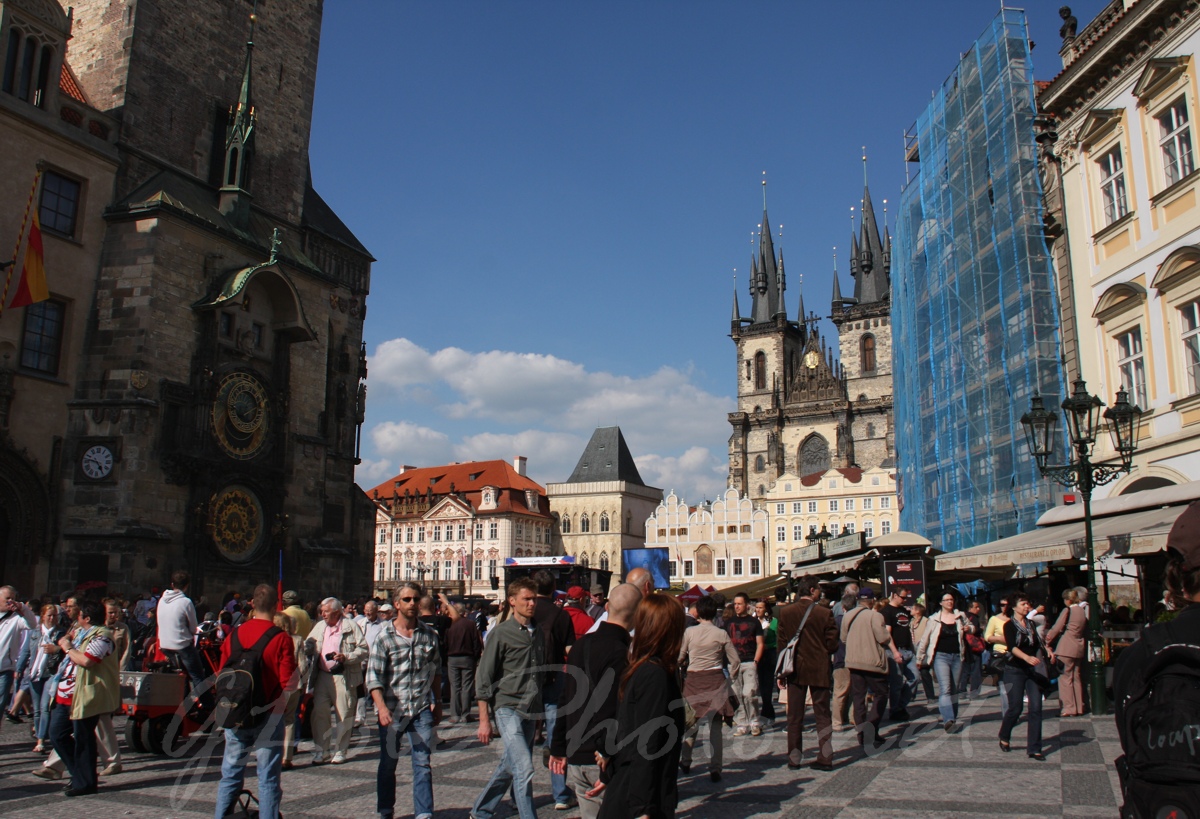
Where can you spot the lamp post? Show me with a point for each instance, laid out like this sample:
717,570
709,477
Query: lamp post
1082,412
818,539
421,570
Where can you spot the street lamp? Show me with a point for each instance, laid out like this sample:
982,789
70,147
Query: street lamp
421,570
1082,412
818,539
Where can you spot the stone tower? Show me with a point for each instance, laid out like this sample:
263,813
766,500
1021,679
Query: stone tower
223,362
800,409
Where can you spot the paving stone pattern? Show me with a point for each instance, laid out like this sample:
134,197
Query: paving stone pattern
922,772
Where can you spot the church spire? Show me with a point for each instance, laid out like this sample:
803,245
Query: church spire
238,141
766,286
871,283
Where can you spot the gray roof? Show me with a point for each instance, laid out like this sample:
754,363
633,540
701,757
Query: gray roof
606,458
871,284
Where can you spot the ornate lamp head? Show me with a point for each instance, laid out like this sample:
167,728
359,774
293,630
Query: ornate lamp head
1040,424
1123,419
1082,411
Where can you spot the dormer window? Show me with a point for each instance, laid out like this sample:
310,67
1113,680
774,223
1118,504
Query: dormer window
531,500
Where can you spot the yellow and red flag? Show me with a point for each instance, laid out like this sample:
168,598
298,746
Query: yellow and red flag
32,286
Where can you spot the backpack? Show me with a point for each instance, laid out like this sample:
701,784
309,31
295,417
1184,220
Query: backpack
1159,721
241,701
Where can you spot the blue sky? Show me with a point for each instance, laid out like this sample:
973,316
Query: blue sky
558,194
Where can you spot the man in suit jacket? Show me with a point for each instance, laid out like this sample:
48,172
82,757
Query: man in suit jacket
813,671
1071,632
339,650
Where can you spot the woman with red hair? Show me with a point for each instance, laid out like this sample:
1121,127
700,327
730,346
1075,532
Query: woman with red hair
640,776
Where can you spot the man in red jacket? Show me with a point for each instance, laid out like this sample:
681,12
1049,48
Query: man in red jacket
277,675
580,620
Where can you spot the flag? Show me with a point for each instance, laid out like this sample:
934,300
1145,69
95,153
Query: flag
31,287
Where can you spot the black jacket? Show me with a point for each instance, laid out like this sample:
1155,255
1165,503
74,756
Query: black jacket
642,776
587,716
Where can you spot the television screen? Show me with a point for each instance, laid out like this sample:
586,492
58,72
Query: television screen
656,561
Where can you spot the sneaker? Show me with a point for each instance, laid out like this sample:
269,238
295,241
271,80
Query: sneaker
740,732
563,806
12,717
338,759
756,731
47,773
318,759
111,770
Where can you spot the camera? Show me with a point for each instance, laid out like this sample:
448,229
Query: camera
334,668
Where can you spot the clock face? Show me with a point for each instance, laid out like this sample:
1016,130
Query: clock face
235,518
97,462
811,359
241,416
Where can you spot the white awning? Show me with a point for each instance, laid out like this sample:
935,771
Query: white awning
837,565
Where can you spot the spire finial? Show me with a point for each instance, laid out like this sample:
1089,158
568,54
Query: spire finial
764,187
864,166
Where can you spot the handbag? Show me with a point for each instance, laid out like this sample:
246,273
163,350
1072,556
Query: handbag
998,662
975,643
785,663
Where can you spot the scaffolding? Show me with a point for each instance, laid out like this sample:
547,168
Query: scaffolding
975,311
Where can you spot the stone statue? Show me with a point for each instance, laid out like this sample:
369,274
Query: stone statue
1067,32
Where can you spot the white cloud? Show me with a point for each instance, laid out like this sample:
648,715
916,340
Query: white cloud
371,473
552,455
411,443
696,475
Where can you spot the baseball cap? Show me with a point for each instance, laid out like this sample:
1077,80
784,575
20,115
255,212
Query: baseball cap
387,607
1183,542
866,594
576,593
597,589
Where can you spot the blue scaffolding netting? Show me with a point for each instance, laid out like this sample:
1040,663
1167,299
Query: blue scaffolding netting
975,311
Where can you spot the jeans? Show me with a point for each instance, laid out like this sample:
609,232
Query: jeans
948,669
875,684
1015,686
766,681
75,741
972,675
515,769
189,657
550,697
43,693
419,730
266,742
6,689
902,682
462,685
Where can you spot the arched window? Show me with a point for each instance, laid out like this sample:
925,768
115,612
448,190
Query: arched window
868,353
604,521
813,455
760,370
583,560
585,525
604,561
566,525
10,60
759,464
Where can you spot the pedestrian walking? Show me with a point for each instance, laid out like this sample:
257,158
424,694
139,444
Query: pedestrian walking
942,648
1022,681
510,680
16,618
596,607
708,654
746,634
917,625
841,674
574,607
812,671
867,645
176,618
268,654
594,669
44,657
293,694
464,644
558,632
1068,638
404,680
971,683
294,608
902,675
338,650
766,668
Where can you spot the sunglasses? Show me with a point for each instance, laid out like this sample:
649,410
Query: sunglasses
409,599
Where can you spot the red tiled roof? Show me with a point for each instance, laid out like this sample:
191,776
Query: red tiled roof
852,473
69,85
468,479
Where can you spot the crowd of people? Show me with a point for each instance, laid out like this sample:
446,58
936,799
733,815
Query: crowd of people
617,687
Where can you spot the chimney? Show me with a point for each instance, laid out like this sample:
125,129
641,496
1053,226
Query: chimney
404,468
519,465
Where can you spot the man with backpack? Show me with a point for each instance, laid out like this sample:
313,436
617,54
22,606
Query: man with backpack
258,664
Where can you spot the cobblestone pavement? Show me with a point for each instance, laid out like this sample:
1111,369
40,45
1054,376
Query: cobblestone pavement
922,772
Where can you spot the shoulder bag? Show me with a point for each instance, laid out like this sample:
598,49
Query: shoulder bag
785,664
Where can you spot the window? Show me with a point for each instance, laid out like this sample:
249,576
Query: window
760,371
437,533
520,529
462,531
493,530
1191,344
408,534
759,464
779,507
868,353
874,480
479,531
1112,186
688,570
683,531
604,561
780,561
885,503
436,571
477,565
41,342
1131,362
755,566
746,528
585,525
583,560
780,533
849,530
60,203
738,565
604,522
492,568
812,528
383,535
720,567
869,528
798,532
885,527
408,570
796,506
671,566
22,55
833,505
833,529
225,325
868,503
1176,142
849,504
812,507
420,534
565,524
382,570
396,571
459,568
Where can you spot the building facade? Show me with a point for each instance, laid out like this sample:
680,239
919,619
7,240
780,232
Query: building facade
1121,186
601,509
975,308
721,544
219,376
801,410
451,527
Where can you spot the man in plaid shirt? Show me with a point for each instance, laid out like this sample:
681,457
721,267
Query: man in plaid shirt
403,673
